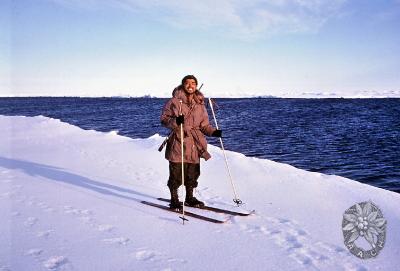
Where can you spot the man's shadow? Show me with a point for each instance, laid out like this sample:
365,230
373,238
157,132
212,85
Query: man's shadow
60,175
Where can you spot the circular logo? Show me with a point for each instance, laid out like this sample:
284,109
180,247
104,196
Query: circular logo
364,230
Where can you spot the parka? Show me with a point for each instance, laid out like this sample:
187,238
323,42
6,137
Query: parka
196,126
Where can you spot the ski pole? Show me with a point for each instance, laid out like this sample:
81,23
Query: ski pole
236,199
183,171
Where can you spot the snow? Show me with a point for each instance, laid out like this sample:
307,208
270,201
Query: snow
70,200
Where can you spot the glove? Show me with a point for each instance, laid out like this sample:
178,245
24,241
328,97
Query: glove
217,133
180,120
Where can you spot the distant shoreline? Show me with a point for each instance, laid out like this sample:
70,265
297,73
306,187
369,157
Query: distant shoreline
221,97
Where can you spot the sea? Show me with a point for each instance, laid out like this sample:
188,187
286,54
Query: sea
354,138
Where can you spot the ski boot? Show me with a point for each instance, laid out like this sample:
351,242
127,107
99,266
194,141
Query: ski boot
174,204
190,200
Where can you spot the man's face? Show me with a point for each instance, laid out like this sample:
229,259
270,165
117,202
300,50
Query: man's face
190,86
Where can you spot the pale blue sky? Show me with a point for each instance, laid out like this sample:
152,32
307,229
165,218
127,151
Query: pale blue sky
137,47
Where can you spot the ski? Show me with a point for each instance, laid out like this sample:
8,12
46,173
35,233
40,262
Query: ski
217,210
205,218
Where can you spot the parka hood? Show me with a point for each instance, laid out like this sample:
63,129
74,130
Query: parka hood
180,94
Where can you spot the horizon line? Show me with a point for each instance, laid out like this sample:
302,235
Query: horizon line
217,97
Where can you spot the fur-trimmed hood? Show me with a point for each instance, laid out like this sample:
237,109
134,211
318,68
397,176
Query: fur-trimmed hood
180,94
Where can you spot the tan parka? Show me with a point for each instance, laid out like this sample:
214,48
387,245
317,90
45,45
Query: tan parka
196,126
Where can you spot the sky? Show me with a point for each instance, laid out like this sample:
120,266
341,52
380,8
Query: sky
235,48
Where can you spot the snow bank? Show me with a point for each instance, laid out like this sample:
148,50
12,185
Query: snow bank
70,200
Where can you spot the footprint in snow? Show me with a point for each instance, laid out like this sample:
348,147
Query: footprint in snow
8,195
45,207
105,228
20,199
253,229
145,255
55,262
42,205
17,187
303,259
288,241
117,241
333,248
315,255
354,267
31,221
346,261
71,210
148,255
84,215
309,257
34,252
290,237
14,214
44,234
49,210
177,260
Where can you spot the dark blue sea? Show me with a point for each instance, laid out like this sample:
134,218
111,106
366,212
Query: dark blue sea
354,138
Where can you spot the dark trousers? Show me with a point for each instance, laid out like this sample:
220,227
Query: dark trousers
191,171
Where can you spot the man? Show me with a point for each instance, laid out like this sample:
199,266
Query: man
186,108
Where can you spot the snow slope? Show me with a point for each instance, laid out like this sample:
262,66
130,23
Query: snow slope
70,200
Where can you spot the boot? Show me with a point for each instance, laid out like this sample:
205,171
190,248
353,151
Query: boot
174,204
190,200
